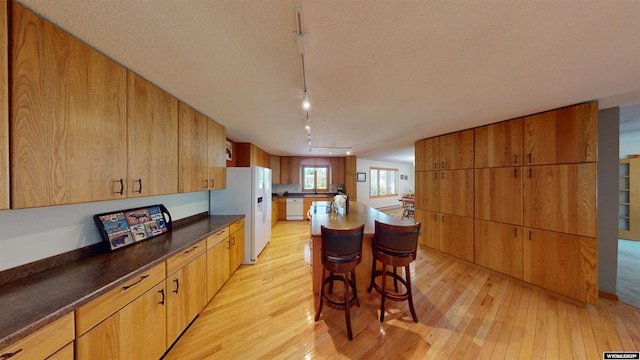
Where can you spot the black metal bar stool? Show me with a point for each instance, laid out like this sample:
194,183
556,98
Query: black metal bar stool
341,253
396,246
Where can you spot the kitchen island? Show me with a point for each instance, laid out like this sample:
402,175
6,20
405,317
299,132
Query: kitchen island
358,214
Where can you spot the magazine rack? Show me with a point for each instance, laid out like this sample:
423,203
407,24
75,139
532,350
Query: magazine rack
126,227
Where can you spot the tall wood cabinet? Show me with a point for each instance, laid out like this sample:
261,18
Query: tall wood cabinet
68,111
4,109
350,184
444,189
534,212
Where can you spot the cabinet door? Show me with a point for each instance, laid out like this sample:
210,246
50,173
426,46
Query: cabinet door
217,156
430,228
67,119
274,162
186,296
566,264
193,145
137,331
427,190
337,170
152,139
217,267
498,194
236,249
294,169
567,135
499,247
456,150
561,198
427,154
456,236
456,192
499,144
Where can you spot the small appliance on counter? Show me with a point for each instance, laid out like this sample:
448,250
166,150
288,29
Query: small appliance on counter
339,204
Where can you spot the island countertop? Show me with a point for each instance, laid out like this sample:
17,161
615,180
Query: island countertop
357,215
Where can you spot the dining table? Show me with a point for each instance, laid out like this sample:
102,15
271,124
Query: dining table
356,215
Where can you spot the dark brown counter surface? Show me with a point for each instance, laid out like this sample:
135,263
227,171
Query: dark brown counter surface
31,303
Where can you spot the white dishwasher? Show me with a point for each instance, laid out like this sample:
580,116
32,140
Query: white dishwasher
295,209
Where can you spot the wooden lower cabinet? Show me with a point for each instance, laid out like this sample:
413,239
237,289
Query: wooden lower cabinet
564,263
498,194
282,209
499,247
137,331
44,342
236,245
430,228
456,236
186,296
217,263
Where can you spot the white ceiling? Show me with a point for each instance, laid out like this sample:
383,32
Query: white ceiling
380,74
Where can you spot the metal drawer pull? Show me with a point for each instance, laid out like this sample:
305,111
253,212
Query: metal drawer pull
135,283
139,181
190,250
177,285
121,192
9,355
206,183
161,291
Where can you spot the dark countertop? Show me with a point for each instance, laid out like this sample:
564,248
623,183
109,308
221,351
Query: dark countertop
304,195
358,214
31,303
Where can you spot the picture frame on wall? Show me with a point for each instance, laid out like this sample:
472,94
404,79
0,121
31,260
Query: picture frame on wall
361,177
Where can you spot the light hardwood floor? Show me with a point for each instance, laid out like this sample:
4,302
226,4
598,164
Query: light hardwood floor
266,311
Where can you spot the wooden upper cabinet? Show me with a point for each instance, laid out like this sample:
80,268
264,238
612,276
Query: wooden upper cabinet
499,144
68,117
217,135
275,169
561,198
350,165
4,110
427,154
290,169
567,135
456,150
337,170
498,194
152,139
456,192
193,149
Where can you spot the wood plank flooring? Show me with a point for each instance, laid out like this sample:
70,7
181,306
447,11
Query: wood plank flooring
266,311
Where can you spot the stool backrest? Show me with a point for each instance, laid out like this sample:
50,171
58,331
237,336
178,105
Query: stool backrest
342,243
401,239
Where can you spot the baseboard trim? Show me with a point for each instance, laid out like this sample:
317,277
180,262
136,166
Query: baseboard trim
608,295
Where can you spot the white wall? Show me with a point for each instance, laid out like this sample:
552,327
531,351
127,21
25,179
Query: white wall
405,186
629,148
33,234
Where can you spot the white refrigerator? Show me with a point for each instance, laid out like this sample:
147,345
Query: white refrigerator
248,192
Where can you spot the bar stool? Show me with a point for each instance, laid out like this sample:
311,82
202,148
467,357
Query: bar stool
394,245
341,253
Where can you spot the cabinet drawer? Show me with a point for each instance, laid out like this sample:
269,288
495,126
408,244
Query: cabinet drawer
214,239
178,261
44,342
237,225
99,309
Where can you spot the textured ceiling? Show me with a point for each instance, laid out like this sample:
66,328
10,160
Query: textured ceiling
380,74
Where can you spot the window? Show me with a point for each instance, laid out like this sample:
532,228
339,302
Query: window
315,178
384,182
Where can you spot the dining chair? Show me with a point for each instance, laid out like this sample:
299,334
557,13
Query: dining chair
394,246
341,252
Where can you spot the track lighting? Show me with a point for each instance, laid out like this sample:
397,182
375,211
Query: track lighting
305,101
